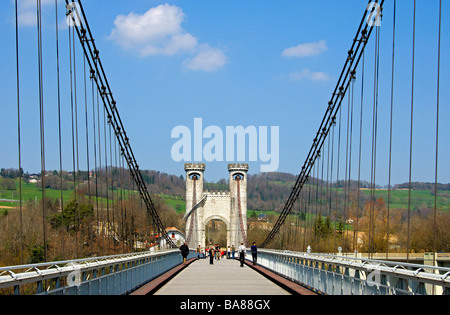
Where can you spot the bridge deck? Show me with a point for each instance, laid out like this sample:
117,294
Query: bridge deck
225,277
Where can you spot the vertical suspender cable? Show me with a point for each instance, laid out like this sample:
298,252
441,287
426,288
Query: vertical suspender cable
305,215
87,154
391,133
328,191
73,114
108,227
330,206
42,138
59,118
59,104
351,142
19,133
346,180
111,174
78,219
322,199
374,143
87,132
112,178
75,91
408,245
102,224
337,181
435,249
96,173
360,150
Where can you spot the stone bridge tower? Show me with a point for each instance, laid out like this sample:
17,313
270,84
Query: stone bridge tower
229,207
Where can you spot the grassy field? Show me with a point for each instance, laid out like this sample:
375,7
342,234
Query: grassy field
175,202
32,193
419,199
399,198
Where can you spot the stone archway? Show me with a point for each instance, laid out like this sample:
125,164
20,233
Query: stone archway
220,219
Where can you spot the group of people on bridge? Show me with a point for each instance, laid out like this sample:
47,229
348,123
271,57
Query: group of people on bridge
215,252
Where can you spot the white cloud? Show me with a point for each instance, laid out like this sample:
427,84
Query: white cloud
159,32
307,74
208,59
306,50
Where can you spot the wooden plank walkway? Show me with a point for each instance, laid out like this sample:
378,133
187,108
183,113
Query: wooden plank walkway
225,277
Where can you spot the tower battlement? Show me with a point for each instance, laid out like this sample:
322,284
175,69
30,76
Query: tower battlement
195,167
238,167
217,193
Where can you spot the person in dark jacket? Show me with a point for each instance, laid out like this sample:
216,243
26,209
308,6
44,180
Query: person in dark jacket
184,252
242,249
254,254
211,255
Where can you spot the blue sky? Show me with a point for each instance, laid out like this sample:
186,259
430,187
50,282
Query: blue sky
231,63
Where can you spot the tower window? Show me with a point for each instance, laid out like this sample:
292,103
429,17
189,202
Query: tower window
194,177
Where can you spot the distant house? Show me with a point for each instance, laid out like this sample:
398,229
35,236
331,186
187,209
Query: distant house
34,178
176,235
262,217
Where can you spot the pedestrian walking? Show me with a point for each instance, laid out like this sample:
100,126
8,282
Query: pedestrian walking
254,254
229,252
199,251
184,252
217,252
233,251
211,255
242,251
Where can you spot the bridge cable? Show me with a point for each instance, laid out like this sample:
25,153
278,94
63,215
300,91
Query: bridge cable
437,134
333,127
347,164
92,53
337,181
355,53
113,168
351,148
374,143
328,191
391,132
61,201
411,134
108,226
73,106
19,132
99,134
360,148
42,124
96,172
88,155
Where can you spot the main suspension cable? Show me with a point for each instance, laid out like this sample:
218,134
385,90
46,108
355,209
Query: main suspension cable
92,55
354,56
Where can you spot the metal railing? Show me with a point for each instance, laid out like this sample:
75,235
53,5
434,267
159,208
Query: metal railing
335,275
112,275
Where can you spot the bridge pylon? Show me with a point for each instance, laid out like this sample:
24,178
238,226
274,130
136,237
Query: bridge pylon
229,207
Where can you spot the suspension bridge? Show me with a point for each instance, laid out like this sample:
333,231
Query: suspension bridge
334,235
